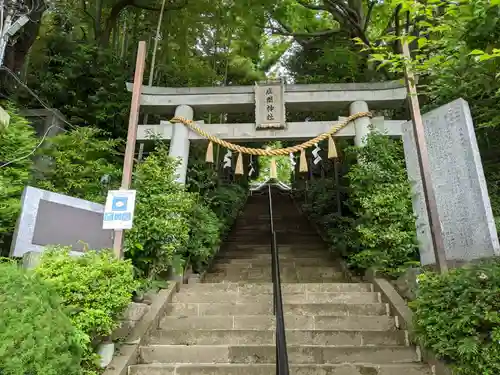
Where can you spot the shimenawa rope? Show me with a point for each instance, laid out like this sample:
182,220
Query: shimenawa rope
332,151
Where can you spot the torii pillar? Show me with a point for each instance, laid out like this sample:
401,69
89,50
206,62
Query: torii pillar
362,124
179,145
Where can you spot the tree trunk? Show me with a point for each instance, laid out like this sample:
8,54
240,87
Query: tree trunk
16,53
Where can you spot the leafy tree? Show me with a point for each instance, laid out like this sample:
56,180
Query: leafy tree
86,83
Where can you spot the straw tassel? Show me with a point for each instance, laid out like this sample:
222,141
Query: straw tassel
303,161
210,153
272,169
332,150
239,164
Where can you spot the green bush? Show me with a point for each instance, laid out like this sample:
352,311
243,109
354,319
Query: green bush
226,201
378,226
457,315
36,335
16,142
204,235
96,288
380,198
79,160
161,223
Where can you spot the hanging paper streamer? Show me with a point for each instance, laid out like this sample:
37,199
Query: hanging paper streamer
227,159
210,153
315,153
332,150
292,162
239,164
273,171
250,165
303,161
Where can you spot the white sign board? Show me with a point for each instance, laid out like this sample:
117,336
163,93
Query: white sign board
119,209
270,106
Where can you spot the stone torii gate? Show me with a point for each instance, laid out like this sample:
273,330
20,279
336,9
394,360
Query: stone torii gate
457,175
270,111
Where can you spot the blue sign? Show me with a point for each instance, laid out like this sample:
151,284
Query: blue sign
119,209
119,204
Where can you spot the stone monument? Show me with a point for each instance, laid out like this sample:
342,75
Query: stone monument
457,176
55,219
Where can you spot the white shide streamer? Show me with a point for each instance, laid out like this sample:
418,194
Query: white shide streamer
315,153
252,170
227,159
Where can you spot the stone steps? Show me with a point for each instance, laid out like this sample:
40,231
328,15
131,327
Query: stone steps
292,270
311,249
221,277
265,308
303,354
295,322
288,275
190,295
226,326
265,261
267,288
267,337
268,369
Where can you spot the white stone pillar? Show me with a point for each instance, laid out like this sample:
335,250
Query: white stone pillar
179,145
361,125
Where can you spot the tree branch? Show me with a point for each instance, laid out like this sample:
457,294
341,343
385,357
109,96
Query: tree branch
122,4
369,15
170,6
87,13
313,34
305,4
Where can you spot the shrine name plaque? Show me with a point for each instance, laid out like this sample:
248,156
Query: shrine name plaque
270,105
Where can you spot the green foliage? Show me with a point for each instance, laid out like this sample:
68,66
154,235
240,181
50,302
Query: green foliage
173,226
283,167
79,159
226,201
95,287
36,335
457,315
161,222
380,198
378,226
83,81
204,234
455,52
17,141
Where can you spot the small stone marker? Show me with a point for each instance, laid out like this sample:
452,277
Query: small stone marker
4,118
457,176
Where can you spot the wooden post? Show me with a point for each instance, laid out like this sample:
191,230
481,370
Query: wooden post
425,171
128,161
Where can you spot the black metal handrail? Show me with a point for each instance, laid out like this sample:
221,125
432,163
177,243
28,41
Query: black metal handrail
282,367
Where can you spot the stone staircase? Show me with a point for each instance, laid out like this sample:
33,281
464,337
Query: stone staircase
225,325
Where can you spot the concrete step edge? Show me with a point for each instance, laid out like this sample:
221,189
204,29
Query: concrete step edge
268,365
266,369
